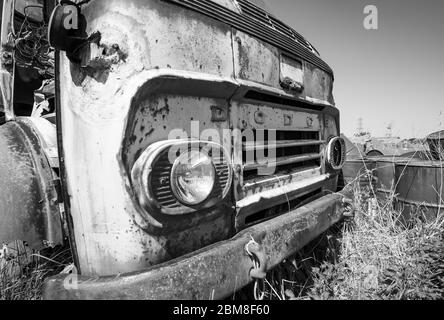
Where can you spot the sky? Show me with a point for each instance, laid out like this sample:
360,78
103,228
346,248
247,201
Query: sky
392,75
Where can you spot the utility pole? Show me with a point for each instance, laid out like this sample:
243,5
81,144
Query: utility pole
360,129
389,133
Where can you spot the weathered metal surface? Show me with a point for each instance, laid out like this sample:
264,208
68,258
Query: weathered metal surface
46,131
263,29
260,62
274,116
112,233
255,60
6,60
359,172
29,209
436,145
420,189
384,173
214,272
176,67
391,146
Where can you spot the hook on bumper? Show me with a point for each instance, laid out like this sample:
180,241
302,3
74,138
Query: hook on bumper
349,207
256,253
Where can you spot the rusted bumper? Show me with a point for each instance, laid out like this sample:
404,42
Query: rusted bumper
214,272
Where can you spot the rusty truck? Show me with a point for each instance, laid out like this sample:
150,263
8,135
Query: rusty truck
183,148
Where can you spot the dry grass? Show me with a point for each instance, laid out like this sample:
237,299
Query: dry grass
380,258
375,256
22,271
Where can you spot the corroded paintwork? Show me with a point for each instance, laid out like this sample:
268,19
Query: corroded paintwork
359,171
419,189
169,66
215,272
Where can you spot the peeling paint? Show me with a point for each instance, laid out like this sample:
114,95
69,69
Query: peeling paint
163,75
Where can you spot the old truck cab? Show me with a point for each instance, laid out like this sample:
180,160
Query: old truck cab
198,144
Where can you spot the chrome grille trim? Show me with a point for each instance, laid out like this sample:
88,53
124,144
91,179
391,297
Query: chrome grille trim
281,144
295,151
283,161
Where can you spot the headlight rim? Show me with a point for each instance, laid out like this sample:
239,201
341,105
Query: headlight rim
330,156
143,171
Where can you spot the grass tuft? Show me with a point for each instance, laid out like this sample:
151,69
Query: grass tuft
22,271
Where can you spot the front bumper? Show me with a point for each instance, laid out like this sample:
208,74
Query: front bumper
214,272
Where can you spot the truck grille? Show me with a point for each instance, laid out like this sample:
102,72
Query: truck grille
269,29
295,150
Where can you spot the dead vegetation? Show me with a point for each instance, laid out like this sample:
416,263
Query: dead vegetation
381,258
22,271
374,256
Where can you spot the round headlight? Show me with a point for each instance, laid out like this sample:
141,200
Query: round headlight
193,178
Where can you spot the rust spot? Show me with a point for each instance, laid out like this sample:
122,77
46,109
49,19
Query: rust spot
155,111
243,59
149,132
132,139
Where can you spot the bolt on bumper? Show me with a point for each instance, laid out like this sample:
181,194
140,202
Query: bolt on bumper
214,272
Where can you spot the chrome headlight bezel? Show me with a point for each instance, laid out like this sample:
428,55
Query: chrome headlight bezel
151,178
335,158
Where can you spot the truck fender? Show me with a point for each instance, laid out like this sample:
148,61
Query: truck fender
29,204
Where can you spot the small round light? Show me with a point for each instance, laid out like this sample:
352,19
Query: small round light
193,178
336,153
